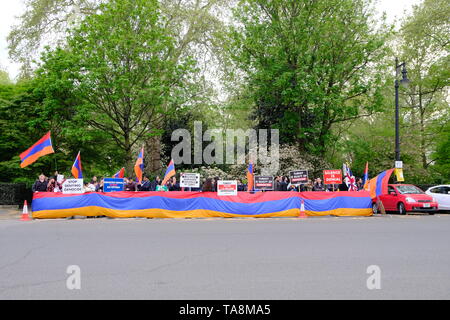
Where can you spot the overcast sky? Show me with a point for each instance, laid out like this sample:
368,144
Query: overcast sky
12,8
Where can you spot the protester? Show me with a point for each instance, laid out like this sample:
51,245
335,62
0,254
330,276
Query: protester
318,185
277,184
216,179
308,186
359,185
89,187
145,185
155,183
130,185
51,185
100,185
284,183
41,184
293,187
240,186
160,187
173,184
208,185
94,184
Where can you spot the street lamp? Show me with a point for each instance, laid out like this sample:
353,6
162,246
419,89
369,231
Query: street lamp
404,82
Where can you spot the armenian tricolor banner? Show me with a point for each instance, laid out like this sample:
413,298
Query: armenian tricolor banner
77,170
379,184
42,147
179,204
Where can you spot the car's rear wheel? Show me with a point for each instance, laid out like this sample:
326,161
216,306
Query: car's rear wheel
374,207
401,208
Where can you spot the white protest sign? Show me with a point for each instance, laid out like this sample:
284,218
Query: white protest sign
73,186
59,178
190,180
227,188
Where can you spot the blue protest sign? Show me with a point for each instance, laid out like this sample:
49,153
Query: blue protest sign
113,184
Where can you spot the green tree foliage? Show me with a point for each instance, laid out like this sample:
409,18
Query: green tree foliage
4,77
425,48
44,22
309,64
118,66
424,109
27,111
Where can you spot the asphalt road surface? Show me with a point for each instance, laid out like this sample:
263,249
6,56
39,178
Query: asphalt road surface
279,258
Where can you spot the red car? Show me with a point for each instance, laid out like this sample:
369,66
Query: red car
406,197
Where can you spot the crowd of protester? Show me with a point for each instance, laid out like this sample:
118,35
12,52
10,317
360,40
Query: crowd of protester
281,183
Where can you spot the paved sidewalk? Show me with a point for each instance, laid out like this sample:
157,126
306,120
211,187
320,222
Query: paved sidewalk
11,212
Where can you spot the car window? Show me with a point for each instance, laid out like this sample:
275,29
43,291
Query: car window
409,189
390,189
445,190
436,190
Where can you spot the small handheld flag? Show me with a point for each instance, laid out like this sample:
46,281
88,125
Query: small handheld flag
76,168
250,177
139,165
42,147
120,173
170,172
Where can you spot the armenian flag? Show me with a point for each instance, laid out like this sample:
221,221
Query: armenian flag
76,167
42,147
139,165
120,173
379,184
170,172
250,177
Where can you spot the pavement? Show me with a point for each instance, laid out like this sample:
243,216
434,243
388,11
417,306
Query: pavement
226,258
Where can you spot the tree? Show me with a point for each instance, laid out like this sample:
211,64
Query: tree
118,64
425,47
44,22
4,78
309,65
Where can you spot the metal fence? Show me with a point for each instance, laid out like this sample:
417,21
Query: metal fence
15,193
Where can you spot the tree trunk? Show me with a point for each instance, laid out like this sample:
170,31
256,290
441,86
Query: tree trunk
422,132
153,159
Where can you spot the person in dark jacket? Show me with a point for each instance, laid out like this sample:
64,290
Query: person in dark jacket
208,185
318,185
40,185
130,185
174,185
360,184
155,183
284,183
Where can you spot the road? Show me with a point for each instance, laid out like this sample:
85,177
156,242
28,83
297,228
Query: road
275,258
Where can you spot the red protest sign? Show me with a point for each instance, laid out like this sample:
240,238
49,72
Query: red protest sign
332,176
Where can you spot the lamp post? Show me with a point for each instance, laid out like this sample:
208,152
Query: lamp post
404,82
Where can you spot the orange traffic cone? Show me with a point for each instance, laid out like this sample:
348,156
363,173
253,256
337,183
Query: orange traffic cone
302,210
25,216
